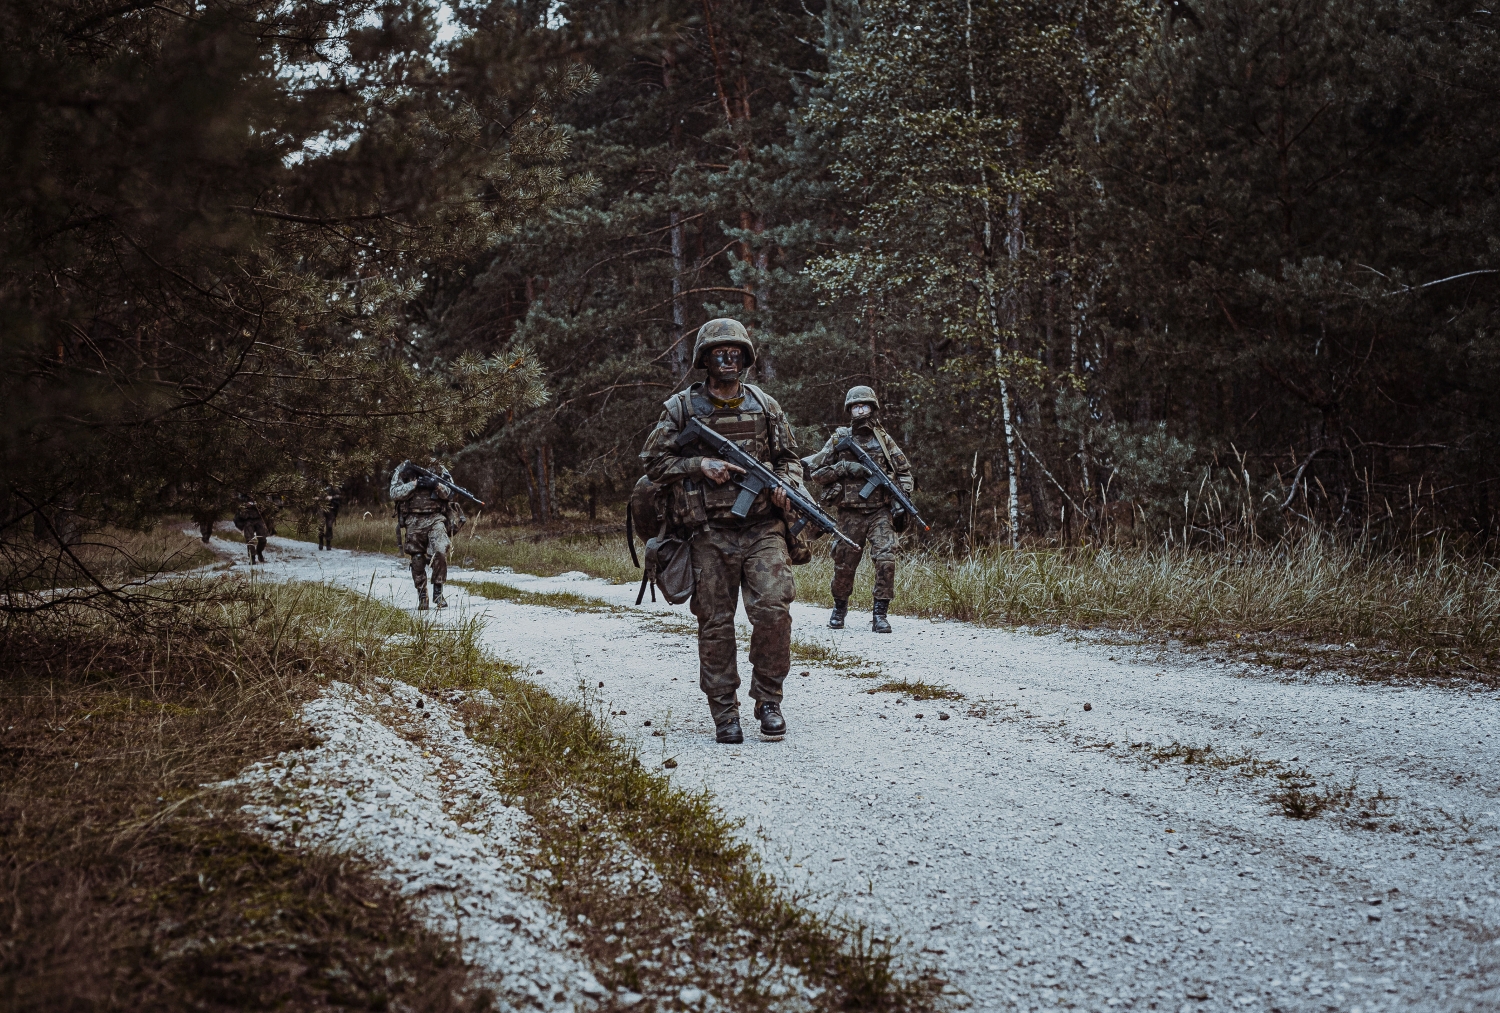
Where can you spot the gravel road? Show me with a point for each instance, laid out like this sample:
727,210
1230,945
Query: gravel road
1036,854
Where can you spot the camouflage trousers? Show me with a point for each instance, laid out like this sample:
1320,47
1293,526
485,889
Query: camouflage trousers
427,536
256,532
872,527
727,561
325,530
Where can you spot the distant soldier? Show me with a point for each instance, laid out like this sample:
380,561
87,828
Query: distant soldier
875,520
254,521
329,502
205,518
730,554
425,507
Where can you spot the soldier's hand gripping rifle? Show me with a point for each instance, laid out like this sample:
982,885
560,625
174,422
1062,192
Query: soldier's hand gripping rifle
423,473
758,478
879,478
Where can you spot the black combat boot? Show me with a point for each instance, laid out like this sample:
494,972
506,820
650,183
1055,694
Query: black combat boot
421,599
840,610
728,730
772,724
437,596
878,621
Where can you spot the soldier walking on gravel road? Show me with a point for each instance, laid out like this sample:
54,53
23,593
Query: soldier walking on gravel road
875,519
729,553
329,501
252,519
426,506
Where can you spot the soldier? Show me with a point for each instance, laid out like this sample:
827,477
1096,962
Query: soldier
253,521
730,553
864,520
329,502
429,514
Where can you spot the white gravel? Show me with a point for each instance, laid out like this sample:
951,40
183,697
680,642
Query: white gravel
1031,851
398,781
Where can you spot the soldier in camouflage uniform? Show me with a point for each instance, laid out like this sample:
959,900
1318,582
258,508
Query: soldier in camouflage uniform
731,554
252,519
429,512
863,520
329,501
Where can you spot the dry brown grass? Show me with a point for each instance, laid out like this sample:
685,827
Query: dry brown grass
101,561
125,884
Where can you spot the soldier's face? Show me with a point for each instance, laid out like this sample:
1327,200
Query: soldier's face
725,362
860,412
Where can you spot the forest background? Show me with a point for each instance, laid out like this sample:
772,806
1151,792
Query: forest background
1185,271
1183,274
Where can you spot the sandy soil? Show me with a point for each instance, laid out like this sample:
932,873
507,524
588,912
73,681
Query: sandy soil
1038,854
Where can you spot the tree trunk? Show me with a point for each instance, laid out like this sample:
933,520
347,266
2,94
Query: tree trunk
987,284
680,365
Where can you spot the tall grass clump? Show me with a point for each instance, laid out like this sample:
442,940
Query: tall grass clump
1433,612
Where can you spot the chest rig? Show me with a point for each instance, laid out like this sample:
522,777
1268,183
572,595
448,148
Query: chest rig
696,501
847,493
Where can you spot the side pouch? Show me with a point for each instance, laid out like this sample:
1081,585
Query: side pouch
669,567
797,549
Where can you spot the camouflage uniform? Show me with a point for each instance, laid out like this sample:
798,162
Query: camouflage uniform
329,502
865,521
427,513
730,554
251,519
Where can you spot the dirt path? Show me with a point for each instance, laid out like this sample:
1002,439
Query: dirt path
1042,855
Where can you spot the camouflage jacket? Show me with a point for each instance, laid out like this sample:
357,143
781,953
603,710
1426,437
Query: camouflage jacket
844,492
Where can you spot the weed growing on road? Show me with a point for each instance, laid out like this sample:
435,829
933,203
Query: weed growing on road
918,690
126,885
496,591
1244,763
825,654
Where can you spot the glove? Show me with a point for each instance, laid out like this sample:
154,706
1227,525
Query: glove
426,482
851,469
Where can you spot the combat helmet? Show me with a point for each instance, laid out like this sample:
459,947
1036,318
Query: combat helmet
861,395
722,331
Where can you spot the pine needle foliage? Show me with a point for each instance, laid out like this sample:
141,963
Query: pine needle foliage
218,218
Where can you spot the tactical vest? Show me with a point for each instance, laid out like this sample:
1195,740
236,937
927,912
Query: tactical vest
696,501
845,493
424,501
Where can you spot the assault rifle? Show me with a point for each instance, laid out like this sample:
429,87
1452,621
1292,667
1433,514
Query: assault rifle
879,478
436,478
758,478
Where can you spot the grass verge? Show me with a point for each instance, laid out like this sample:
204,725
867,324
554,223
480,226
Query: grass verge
128,887
1313,602
110,555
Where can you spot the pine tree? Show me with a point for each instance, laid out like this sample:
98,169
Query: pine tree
218,214
1298,204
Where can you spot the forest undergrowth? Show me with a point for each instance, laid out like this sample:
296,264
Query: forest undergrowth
1310,602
